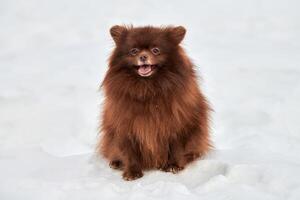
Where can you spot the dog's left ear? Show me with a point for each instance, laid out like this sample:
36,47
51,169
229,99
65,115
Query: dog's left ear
177,34
116,32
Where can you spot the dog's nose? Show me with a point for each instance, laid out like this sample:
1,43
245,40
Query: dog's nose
143,58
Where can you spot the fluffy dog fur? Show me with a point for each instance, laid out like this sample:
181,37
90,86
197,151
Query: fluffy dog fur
156,121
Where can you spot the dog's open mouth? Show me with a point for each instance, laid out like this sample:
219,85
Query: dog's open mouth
145,70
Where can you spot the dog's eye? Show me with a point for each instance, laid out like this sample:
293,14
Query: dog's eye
134,51
155,51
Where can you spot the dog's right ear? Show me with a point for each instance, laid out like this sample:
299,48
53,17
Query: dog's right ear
116,32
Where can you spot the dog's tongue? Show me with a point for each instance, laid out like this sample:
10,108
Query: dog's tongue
143,70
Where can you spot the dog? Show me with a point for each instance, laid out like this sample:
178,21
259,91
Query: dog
154,113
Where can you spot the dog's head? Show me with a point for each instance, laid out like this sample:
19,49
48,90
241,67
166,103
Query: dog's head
146,52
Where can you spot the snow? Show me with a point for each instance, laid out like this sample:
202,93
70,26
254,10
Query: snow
53,57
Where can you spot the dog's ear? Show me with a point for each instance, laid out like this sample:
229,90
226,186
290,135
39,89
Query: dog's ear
177,34
116,32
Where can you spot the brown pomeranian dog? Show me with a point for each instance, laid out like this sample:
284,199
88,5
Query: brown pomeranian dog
155,116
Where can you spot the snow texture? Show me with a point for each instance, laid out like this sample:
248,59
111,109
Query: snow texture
53,56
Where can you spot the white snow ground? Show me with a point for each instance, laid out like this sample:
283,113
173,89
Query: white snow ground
53,57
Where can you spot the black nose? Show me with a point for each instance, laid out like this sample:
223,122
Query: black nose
143,58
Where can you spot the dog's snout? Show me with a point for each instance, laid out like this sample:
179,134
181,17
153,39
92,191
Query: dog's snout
143,58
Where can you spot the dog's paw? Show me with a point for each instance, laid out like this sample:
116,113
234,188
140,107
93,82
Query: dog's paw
130,175
116,164
174,168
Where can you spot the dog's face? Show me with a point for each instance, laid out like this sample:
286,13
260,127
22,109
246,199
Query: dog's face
145,51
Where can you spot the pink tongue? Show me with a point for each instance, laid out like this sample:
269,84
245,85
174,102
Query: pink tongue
144,69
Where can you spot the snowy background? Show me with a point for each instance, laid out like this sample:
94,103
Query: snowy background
53,58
